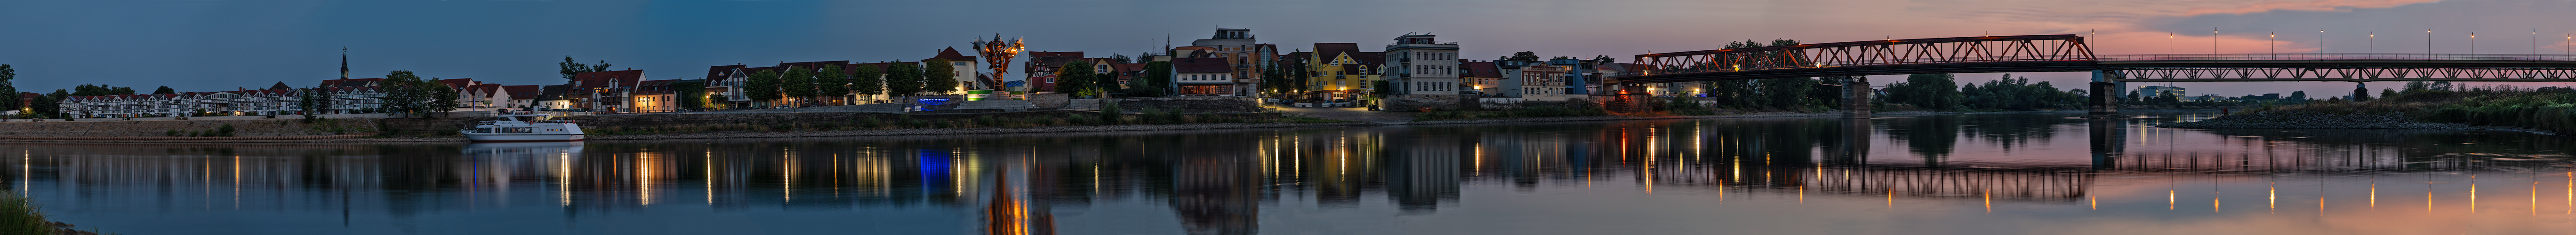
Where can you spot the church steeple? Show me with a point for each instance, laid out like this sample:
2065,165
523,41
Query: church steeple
344,62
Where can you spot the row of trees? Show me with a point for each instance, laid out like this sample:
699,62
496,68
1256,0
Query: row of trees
1942,92
1770,94
930,77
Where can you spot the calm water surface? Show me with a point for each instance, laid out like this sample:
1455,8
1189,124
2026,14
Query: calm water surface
1959,174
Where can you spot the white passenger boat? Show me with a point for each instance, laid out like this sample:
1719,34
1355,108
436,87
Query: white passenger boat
523,128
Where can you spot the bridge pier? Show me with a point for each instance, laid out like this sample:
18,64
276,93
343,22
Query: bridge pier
2105,102
1856,97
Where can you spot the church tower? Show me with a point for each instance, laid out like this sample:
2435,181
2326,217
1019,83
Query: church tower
344,62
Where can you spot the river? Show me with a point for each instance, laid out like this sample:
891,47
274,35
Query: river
2048,173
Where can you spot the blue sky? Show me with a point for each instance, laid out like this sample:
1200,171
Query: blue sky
206,45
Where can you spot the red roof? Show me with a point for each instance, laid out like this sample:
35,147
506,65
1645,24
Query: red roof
519,91
459,83
602,79
655,87
1485,69
722,71
352,82
1201,65
951,55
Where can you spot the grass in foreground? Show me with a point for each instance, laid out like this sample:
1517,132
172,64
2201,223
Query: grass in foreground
2550,109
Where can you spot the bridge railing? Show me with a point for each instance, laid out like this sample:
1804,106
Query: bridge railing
2351,56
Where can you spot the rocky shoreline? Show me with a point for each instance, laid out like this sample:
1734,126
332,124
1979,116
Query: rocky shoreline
2281,120
953,131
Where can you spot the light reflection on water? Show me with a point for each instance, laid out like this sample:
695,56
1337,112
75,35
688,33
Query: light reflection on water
1957,174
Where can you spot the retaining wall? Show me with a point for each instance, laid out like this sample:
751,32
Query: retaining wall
1194,104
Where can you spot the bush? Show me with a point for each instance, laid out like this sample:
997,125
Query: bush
226,130
18,215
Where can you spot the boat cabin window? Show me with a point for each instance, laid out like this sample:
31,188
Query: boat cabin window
518,130
483,130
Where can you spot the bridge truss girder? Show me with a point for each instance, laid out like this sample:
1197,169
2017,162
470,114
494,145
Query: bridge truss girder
2343,74
1848,58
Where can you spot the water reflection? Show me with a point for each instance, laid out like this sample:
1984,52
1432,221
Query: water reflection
1331,180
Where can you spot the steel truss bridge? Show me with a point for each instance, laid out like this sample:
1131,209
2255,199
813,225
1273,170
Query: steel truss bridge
2068,53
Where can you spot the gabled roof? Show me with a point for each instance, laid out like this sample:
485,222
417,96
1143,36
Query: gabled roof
722,71
655,87
553,92
1481,69
814,66
280,85
1296,56
1201,65
460,83
602,79
1369,58
523,92
952,55
353,82
1326,51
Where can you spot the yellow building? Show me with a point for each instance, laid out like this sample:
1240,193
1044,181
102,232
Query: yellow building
1339,70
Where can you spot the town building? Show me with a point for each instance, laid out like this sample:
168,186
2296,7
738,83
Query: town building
655,96
1422,72
2156,91
360,95
604,91
554,97
1203,77
1532,80
966,68
1041,68
277,100
724,84
1486,78
522,96
1340,71
1242,53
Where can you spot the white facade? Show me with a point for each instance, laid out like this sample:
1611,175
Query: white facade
243,102
1419,65
1533,81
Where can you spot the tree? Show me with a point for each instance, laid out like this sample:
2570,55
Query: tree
2300,96
866,80
164,90
570,68
403,93
833,81
798,83
8,88
1076,78
1521,56
938,76
762,86
1156,80
1122,59
1927,91
1787,93
311,100
692,95
441,98
903,79
1605,59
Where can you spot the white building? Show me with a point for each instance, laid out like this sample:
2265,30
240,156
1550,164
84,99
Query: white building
240,102
1242,53
1533,81
1419,65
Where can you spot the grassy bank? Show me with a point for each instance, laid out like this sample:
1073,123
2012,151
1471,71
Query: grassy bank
2548,109
20,215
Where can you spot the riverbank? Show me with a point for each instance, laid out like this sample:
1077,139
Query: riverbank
713,134
2545,111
